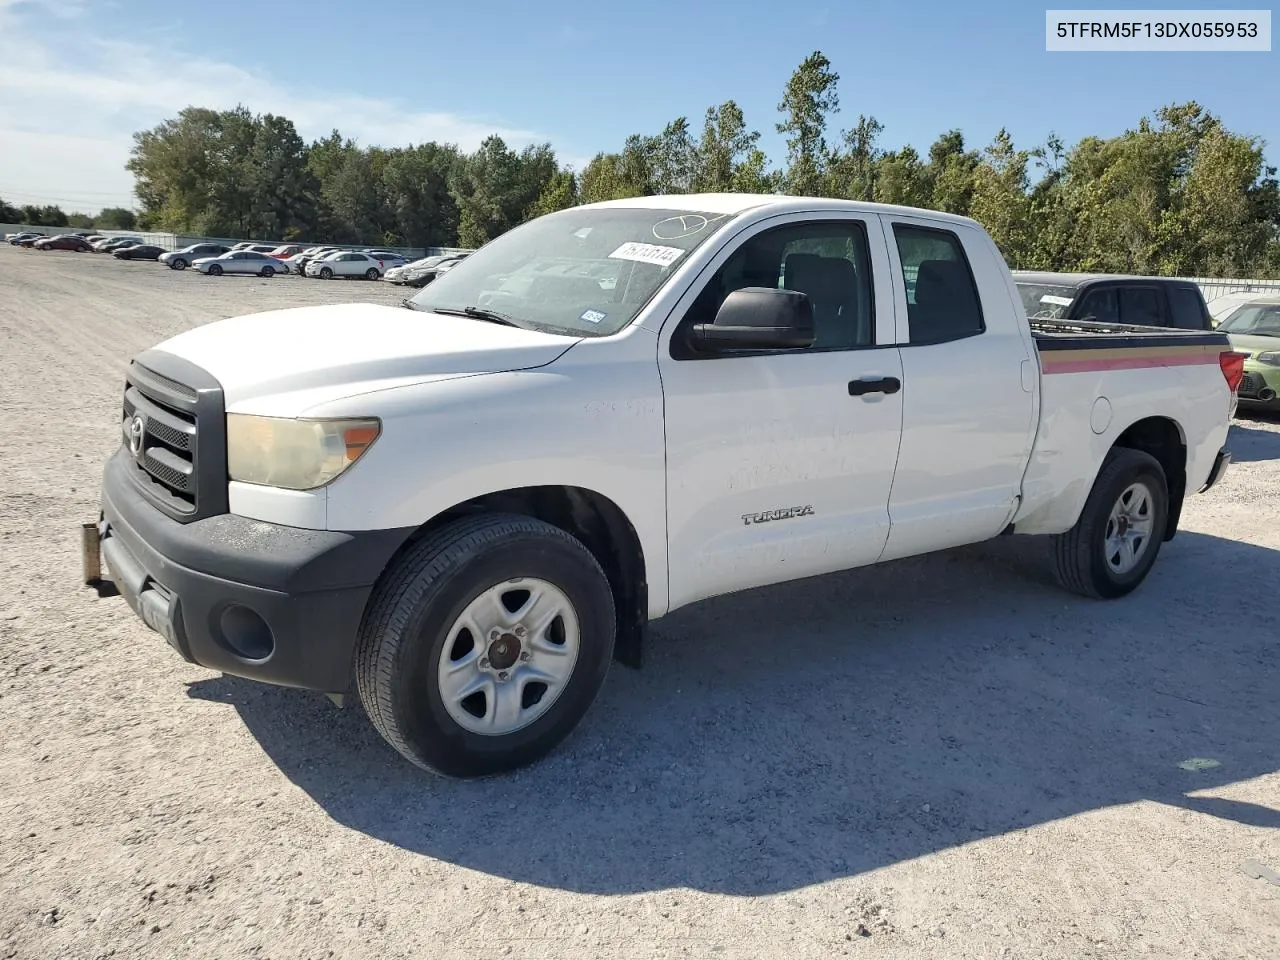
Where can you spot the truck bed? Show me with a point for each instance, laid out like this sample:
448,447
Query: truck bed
1080,346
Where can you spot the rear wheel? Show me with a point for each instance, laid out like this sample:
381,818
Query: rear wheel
371,273
267,271
485,645
1114,544
215,270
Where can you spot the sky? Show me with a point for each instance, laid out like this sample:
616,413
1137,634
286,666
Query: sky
77,77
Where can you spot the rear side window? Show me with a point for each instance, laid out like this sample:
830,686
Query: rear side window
942,297
1100,304
1141,306
1186,308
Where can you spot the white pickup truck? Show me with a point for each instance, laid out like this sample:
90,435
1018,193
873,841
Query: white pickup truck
465,510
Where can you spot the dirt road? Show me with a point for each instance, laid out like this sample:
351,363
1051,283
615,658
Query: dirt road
942,757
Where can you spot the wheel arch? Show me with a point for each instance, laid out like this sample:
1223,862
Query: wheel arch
594,519
1164,439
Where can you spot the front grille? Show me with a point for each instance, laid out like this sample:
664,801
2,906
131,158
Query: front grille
1250,386
174,433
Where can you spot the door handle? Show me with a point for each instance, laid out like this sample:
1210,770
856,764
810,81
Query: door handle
858,388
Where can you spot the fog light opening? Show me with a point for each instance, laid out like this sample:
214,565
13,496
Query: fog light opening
246,634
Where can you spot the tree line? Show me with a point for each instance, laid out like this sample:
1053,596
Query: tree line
1179,194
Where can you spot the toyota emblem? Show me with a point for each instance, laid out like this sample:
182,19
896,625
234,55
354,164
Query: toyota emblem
137,429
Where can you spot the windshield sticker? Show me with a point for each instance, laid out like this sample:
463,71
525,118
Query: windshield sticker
1060,301
593,316
647,253
685,225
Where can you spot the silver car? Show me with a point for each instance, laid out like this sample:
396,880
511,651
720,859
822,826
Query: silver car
241,261
181,259
346,264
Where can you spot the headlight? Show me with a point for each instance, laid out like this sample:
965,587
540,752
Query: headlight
295,454
1271,359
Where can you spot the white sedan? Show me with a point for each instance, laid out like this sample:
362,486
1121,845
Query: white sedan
240,261
346,263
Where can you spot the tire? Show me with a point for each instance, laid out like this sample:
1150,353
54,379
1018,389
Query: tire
215,270
267,272
178,264
1083,557
371,273
326,273
415,620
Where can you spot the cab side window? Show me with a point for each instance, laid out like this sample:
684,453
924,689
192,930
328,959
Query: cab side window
827,261
1142,306
942,297
1100,304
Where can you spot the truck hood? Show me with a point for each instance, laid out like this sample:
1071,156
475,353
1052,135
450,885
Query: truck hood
355,347
1253,345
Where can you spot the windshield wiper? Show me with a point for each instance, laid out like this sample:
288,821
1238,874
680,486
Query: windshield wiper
478,313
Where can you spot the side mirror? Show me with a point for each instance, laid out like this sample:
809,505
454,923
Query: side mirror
758,318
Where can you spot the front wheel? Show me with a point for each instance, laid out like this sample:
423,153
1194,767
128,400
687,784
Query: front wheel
1114,544
178,264
326,273
486,644
215,270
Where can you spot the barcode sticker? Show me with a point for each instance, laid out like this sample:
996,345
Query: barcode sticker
647,253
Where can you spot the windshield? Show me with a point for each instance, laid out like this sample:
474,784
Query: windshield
1254,320
584,272
1046,300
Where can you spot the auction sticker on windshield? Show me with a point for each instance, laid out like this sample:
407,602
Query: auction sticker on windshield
1060,301
647,253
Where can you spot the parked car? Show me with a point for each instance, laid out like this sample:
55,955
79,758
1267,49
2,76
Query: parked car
181,259
1113,298
298,262
114,243
719,421
139,251
421,272
16,239
389,258
345,263
1222,306
286,251
1254,328
240,261
66,241
31,240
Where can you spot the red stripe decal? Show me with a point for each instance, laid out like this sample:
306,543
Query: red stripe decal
1125,363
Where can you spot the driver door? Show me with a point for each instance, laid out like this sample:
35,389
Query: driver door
780,462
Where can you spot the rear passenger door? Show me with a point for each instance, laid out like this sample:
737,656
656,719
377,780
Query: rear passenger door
968,387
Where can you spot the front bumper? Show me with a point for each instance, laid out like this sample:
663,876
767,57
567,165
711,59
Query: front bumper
259,600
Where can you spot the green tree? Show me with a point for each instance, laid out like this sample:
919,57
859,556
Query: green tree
950,173
851,170
902,178
46,216
560,193
674,159
115,218
9,214
726,145
809,99
1000,201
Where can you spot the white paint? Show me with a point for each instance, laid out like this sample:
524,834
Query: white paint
976,436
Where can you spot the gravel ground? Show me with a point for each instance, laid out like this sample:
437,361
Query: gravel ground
944,757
